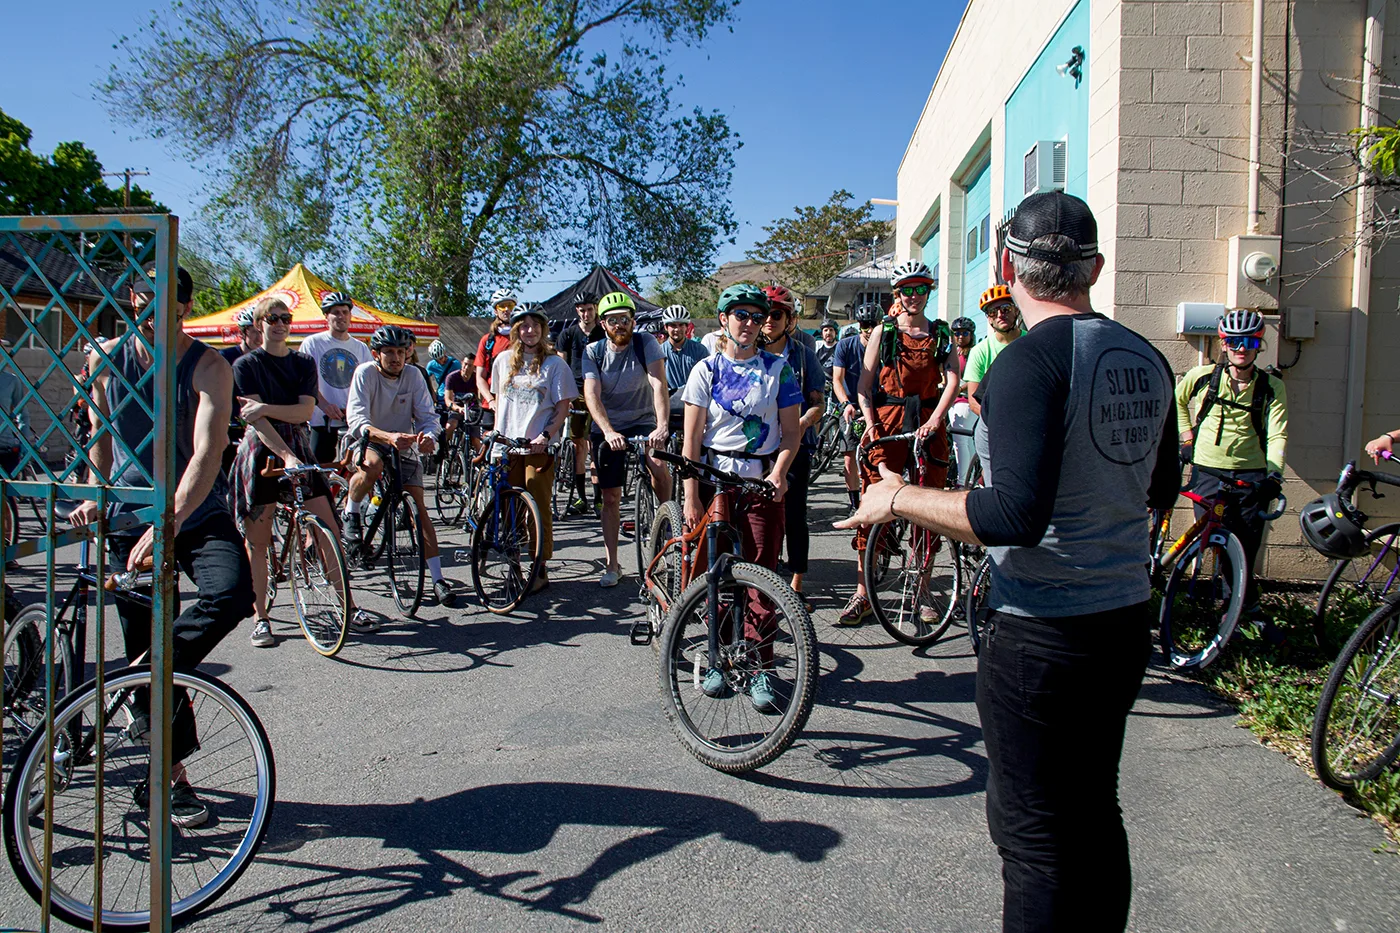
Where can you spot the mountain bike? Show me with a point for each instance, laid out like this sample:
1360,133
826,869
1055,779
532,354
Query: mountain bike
644,498
1205,587
828,438
1358,585
505,529
454,477
392,526
82,773
914,577
1356,729
307,552
730,626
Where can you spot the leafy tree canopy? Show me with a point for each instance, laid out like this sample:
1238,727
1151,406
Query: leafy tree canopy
810,247
451,145
69,181
699,297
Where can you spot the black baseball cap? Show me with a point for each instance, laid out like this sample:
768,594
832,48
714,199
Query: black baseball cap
184,291
1048,213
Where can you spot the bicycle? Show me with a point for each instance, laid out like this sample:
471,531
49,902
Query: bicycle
1205,586
645,501
309,555
454,477
392,525
505,530
50,815
1359,584
913,576
828,439
710,628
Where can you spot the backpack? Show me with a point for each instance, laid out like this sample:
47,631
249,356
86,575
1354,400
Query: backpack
1257,407
637,351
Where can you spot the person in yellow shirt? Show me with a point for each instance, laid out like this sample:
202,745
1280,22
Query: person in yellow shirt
1233,421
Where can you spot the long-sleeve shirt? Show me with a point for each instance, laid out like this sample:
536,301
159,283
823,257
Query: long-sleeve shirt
402,406
11,391
1239,447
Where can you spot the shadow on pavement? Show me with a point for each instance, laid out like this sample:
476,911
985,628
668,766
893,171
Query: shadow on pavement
1190,700
505,819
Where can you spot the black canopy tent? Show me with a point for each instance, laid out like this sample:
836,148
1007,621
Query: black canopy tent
598,283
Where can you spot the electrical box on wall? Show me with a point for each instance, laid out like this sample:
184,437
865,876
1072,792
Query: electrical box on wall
1198,317
1253,272
1299,323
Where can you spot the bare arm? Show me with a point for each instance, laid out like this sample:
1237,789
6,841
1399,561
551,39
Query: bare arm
660,393
593,398
269,436
838,384
213,384
972,402
939,510
866,388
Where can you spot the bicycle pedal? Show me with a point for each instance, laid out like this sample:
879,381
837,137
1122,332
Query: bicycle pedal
641,633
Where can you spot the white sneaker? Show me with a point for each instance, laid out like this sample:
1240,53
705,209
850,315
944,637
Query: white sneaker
610,578
262,634
363,623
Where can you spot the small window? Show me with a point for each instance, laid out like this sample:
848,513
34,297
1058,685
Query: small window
971,244
986,233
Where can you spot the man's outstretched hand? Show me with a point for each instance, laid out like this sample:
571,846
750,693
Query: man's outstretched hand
875,501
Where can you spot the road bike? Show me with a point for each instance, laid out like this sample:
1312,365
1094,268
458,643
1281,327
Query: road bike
1205,574
1357,585
505,529
81,772
731,628
914,576
306,552
392,526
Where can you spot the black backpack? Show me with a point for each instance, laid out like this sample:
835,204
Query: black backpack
1257,407
637,350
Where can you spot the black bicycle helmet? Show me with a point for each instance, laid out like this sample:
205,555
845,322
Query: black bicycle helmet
869,313
391,335
1333,527
331,299
585,297
964,325
828,322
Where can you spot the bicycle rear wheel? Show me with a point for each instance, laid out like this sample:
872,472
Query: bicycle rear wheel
1356,731
505,550
563,479
643,514
233,771
26,665
319,581
726,731
1355,587
277,554
913,578
450,492
975,604
407,564
1202,602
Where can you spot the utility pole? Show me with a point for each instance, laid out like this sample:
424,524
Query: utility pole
126,174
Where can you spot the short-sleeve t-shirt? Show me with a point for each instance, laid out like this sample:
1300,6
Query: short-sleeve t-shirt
524,407
439,371
849,355
276,380
742,399
573,341
680,362
980,358
482,361
334,363
622,380
461,387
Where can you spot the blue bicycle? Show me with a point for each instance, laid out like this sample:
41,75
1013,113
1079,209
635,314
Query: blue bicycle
504,522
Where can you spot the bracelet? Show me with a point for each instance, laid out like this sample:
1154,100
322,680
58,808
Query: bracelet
1391,435
894,498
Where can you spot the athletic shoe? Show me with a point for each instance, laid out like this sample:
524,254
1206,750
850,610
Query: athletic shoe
350,535
761,695
186,809
610,578
138,727
928,615
714,685
262,634
442,590
541,580
363,623
579,506
855,612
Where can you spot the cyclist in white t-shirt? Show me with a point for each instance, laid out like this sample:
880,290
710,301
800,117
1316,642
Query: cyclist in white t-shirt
336,355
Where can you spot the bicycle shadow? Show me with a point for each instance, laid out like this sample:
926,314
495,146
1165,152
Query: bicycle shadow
509,820
1170,696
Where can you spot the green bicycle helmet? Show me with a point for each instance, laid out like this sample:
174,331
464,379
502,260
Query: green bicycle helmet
616,301
742,294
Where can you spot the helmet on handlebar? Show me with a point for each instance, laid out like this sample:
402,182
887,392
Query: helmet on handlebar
1333,526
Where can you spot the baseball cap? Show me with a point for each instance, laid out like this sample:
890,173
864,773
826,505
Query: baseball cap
1048,213
184,291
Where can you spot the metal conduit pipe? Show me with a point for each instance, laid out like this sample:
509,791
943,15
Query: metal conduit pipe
1256,106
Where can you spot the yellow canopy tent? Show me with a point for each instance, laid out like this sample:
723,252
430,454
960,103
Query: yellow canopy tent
302,291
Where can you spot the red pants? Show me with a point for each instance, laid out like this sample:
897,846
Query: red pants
760,524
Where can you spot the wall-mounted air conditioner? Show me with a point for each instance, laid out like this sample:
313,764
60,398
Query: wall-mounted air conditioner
1045,166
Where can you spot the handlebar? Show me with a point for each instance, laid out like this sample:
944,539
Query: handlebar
512,445
695,469
908,437
1353,477
306,468
131,579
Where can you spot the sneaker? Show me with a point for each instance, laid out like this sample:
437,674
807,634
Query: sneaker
578,506
363,623
928,615
761,695
541,580
855,612
598,508
138,727
442,591
714,685
610,578
350,535
262,634
186,809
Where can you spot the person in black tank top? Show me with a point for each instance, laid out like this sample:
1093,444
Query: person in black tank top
207,545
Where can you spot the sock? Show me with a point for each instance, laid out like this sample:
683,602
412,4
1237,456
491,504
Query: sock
352,507
597,494
855,497
435,567
579,488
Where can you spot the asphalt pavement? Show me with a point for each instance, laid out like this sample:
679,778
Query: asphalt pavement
465,771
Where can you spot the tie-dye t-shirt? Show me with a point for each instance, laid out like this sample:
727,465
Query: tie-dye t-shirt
743,398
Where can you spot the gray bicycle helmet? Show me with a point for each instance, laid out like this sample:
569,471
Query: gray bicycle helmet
963,325
528,310
869,313
1333,527
391,335
829,323
331,299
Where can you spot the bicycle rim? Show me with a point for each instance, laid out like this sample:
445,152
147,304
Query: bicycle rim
913,578
563,480
1356,732
504,550
232,770
643,515
316,570
406,562
1356,587
667,525
726,732
975,609
1202,601
26,696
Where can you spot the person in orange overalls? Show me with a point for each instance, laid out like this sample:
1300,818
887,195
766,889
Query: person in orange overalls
908,383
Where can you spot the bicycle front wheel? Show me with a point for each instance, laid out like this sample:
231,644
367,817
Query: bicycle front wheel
1355,587
1202,602
407,564
563,480
505,549
1356,731
26,697
975,604
667,525
450,493
232,771
319,583
767,651
913,578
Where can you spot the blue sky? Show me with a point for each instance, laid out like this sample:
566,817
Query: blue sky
824,95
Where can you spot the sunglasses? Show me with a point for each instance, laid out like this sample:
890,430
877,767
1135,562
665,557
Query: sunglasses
1000,309
758,317
617,319
909,291
278,319
1243,343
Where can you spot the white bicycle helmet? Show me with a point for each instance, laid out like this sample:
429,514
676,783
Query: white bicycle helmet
437,350
910,270
331,299
1241,323
502,295
244,318
675,314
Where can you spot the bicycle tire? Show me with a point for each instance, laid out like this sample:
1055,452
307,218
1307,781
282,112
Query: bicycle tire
975,609
668,524
244,798
278,554
449,493
323,613
1354,579
505,550
563,480
11,522
913,595
26,698
407,563
1198,617
828,442
684,653
644,505
1368,667
376,540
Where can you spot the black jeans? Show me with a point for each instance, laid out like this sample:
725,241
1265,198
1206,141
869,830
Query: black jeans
1054,696
795,510
212,555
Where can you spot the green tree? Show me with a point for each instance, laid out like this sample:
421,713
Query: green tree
699,297
67,182
454,145
810,247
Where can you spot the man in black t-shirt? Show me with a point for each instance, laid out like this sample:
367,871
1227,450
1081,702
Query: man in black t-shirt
572,343
459,395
